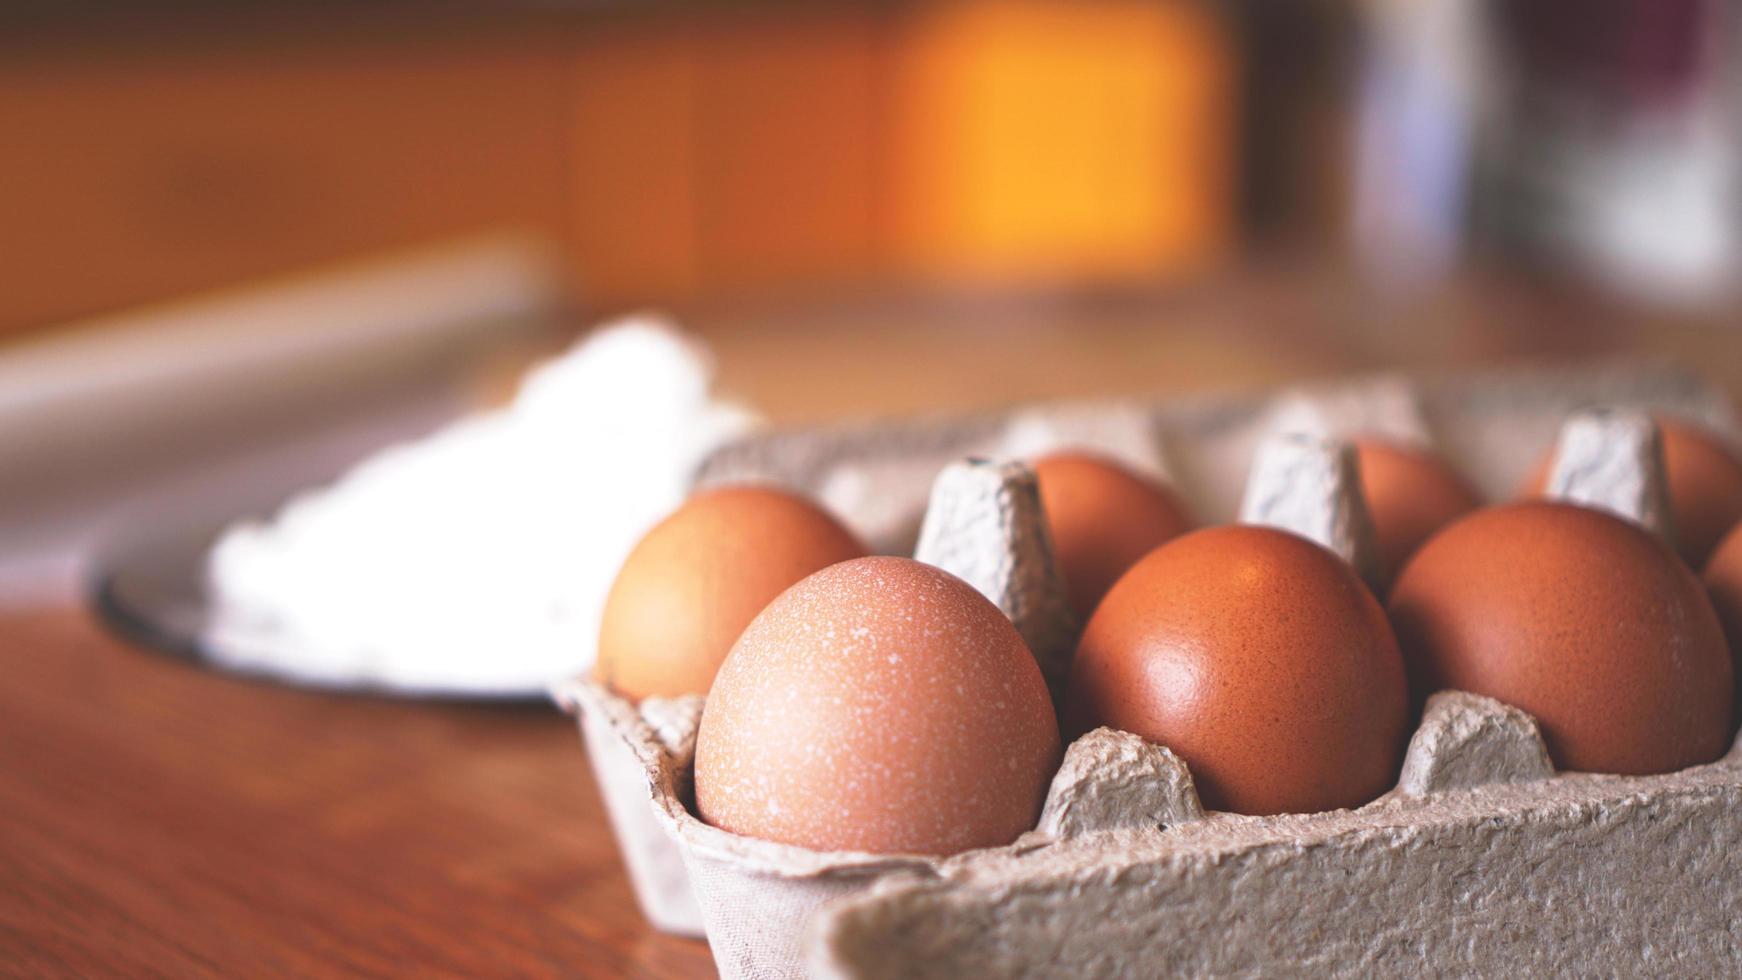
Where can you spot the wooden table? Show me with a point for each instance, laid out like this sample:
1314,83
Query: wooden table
156,819
160,820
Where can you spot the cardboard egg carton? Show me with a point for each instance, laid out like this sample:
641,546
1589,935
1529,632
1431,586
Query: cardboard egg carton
1490,426
1482,858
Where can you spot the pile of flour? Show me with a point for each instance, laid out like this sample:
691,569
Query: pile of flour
476,561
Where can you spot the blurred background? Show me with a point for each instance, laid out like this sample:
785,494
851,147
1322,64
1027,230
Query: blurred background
232,225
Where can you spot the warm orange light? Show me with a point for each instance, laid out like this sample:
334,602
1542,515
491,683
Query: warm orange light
1063,140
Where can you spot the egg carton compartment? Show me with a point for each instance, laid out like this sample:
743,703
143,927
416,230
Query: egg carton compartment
1122,826
985,527
757,897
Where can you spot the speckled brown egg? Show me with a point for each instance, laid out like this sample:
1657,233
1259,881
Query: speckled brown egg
1724,585
693,583
879,705
1580,618
1411,493
1104,517
1261,659
1705,487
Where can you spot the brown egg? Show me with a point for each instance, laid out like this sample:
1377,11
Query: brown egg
1705,487
1261,659
696,580
1582,619
1724,585
1411,493
879,705
1104,518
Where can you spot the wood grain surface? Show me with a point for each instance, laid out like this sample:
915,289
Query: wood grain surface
160,820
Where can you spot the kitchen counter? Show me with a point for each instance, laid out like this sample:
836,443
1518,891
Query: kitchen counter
160,820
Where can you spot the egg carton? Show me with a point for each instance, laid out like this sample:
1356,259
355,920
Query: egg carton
1491,426
1482,856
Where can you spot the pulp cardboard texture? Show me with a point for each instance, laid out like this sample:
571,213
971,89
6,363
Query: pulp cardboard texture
624,742
984,524
1570,875
1490,426
1611,460
1482,859
1301,482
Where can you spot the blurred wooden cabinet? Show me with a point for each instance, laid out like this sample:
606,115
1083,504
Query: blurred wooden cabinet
674,155
140,175
718,154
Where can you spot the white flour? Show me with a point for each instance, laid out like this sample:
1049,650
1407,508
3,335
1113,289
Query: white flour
476,560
